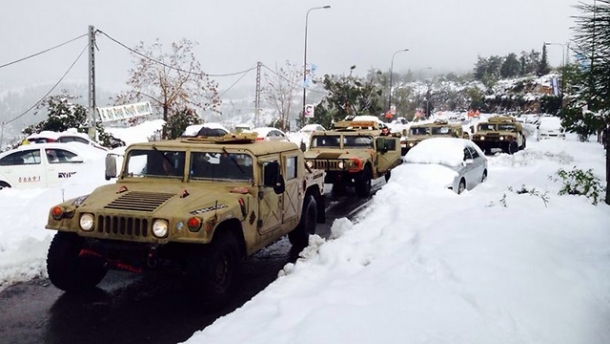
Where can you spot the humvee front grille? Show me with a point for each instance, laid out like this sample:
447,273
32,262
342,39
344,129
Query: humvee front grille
121,225
326,164
140,201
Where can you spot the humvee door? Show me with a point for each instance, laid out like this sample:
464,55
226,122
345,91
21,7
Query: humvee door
270,208
388,153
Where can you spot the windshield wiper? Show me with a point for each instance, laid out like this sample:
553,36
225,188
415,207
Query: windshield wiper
234,161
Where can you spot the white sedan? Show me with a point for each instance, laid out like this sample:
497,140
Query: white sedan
310,128
457,164
269,134
38,165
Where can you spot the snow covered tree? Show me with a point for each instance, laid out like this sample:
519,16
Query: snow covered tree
589,109
280,90
177,123
171,80
349,95
62,114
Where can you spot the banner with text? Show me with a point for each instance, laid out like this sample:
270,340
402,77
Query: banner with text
123,112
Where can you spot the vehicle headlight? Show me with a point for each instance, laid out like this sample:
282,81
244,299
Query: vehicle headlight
309,163
341,165
482,138
501,138
86,222
159,228
410,144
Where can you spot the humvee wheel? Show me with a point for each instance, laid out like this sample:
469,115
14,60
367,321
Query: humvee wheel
461,186
67,270
299,237
214,271
363,185
387,176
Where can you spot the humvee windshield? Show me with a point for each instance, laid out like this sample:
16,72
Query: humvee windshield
441,130
486,126
420,131
506,127
333,141
215,166
155,163
358,141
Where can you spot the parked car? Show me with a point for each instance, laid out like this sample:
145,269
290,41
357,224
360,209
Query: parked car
39,165
310,128
550,127
268,134
209,129
455,163
63,137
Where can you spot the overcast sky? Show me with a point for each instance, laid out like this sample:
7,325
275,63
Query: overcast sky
446,35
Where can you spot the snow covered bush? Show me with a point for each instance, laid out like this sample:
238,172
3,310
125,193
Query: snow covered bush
579,182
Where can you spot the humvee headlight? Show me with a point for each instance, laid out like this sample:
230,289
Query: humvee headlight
482,138
86,222
340,165
159,228
309,163
410,144
501,138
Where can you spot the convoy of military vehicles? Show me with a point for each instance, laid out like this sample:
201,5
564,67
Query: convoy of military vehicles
199,205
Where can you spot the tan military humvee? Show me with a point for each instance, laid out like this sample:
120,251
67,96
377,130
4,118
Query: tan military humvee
200,204
354,153
497,132
438,128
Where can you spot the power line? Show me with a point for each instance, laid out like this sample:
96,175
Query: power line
52,88
241,77
41,52
172,67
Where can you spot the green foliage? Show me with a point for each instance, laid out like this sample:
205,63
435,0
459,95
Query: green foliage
577,120
543,66
510,67
178,122
579,182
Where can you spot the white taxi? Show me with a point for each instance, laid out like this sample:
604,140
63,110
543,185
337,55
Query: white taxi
41,165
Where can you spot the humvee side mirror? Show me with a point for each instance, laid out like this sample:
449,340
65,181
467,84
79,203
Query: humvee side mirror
273,178
110,163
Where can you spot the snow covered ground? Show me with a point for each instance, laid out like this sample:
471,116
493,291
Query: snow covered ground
419,265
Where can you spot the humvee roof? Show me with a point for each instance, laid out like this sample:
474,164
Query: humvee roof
254,147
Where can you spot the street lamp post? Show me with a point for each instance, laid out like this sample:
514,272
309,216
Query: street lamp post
563,62
305,60
392,72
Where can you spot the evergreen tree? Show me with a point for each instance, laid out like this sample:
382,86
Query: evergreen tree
543,66
510,67
588,111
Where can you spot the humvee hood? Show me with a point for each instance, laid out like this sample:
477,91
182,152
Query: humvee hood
167,200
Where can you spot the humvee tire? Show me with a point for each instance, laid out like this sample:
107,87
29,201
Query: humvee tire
461,186
363,184
299,238
387,176
214,270
69,271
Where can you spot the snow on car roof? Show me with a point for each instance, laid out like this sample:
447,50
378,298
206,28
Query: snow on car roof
550,123
310,127
193,129
442,150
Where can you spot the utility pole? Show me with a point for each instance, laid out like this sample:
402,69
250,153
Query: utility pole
92,116
257,96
